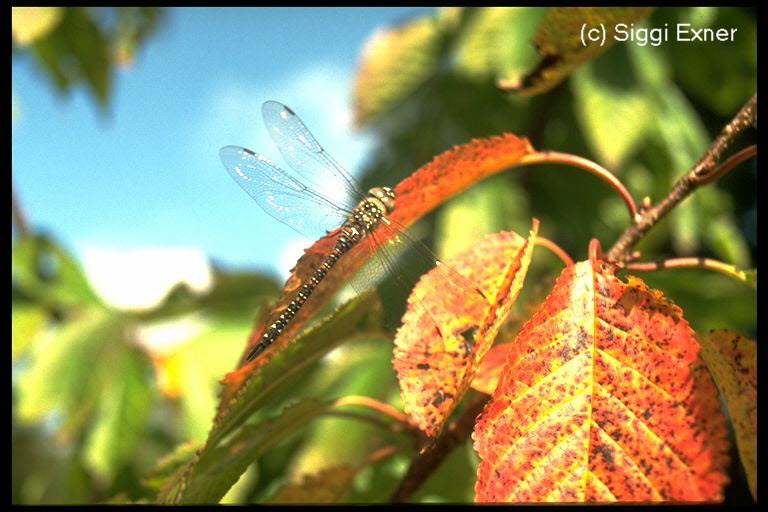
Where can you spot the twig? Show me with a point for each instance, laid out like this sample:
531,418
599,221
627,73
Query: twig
433,455
701,173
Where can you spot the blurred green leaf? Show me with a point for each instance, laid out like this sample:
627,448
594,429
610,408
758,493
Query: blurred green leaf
344,441
234,295
170,466
121,417
31,23
614,110
47,274
397,61
330,485
68,374
27,322
269,382
77,51
76,45
725,79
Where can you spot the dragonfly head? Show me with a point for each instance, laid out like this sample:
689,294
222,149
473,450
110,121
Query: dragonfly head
387,197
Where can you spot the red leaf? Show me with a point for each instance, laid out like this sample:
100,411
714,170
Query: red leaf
602,398
434,368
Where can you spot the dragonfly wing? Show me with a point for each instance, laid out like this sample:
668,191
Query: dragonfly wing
281,195
304,154
406,259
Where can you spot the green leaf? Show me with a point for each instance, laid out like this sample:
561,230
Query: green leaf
27,322
31,23
123,411
217,469
720,74
46,273
396,62
170,467
559,42
269,385
329,485
496,42
77,51
68,374
613,108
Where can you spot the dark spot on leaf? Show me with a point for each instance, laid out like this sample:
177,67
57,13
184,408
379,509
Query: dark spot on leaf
440,397
607,454
469,339
423,366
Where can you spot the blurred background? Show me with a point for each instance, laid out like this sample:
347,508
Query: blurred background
139,266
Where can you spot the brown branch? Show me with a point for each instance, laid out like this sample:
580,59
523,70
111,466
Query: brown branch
433,455
701,173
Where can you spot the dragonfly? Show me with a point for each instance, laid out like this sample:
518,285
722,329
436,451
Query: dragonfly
307,201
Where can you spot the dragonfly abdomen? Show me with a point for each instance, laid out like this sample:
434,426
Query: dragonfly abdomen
351,234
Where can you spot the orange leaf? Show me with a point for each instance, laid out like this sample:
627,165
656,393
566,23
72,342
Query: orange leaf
602,398
434,367
489,372
732,361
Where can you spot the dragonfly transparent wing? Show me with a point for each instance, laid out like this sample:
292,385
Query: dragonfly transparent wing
304,154
406,259
281,195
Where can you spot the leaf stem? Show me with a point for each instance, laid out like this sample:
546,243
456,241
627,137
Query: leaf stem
374,404
552,246
706,263
555,157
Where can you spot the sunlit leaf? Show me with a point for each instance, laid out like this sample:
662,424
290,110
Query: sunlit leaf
330,485
497,42
602,398
732,361
435,368
396,61
30,23
559,42
27,322
489,372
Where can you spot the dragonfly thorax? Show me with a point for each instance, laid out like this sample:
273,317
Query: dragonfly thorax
369,212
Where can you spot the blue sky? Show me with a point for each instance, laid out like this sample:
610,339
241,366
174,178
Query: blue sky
149,175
